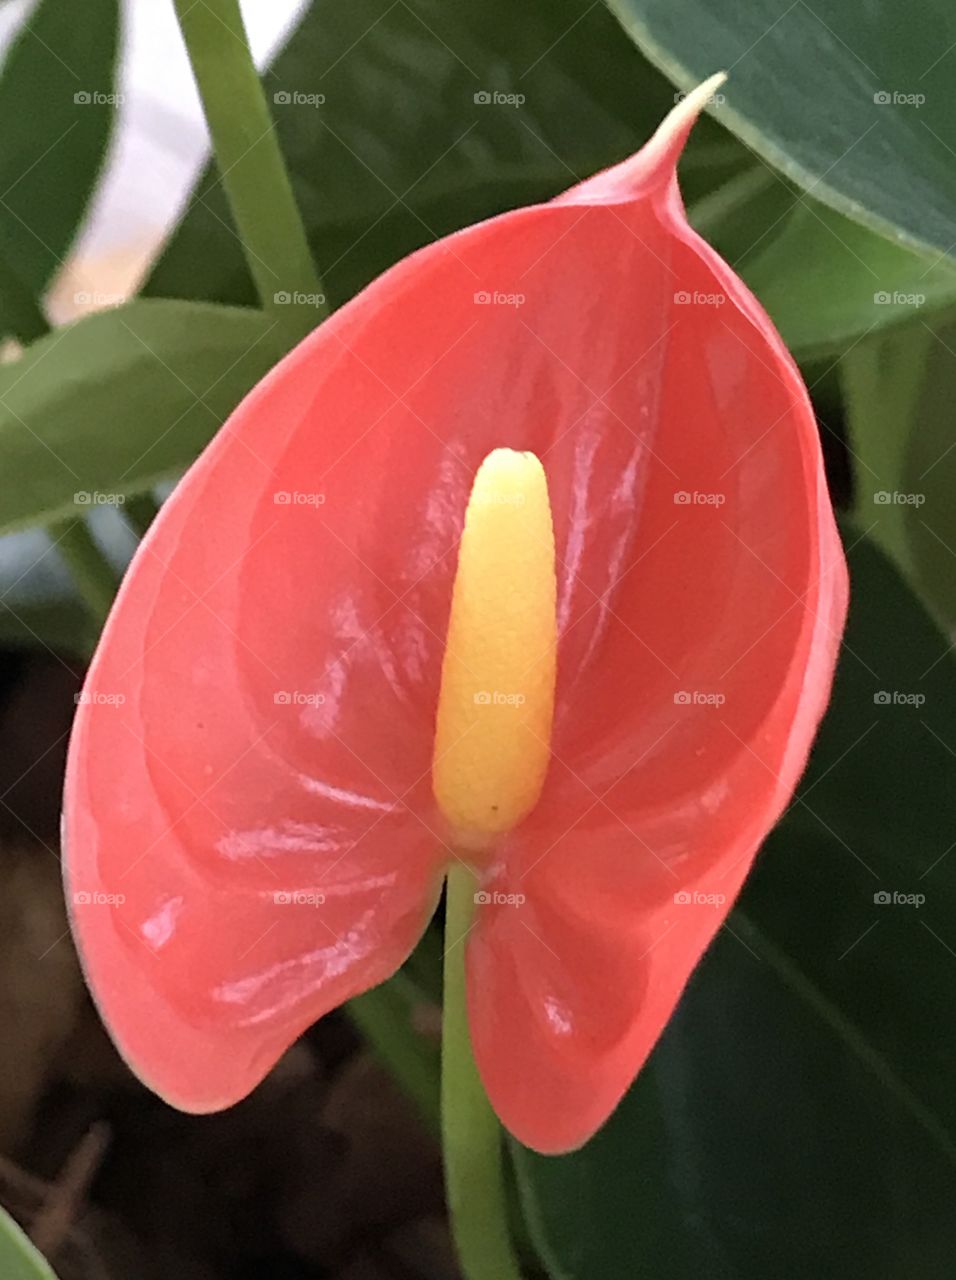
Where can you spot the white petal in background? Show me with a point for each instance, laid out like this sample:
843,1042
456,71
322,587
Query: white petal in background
159,145
158,148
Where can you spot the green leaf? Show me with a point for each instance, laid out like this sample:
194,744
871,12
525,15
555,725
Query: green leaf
120,400
404,147
827,281
852,102
57,103
797,1118
745,213
900,392
38,606
19,1260
21,311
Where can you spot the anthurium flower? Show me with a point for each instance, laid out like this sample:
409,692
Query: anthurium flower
320,685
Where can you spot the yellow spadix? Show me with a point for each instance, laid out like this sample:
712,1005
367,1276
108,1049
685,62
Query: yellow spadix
493,726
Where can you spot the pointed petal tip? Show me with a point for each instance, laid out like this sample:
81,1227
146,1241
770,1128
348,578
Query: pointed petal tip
653,167
668,141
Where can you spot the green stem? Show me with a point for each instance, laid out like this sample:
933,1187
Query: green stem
140,510
95,578
382,1016
471,1134
250,163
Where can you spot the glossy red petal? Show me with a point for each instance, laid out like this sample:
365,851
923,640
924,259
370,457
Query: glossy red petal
682,728
259,716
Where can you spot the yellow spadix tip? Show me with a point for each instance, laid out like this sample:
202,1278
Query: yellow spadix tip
493,725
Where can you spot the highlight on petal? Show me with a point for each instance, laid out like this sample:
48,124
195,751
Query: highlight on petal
250,830
690,683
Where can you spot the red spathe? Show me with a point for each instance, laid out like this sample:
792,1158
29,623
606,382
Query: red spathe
250,831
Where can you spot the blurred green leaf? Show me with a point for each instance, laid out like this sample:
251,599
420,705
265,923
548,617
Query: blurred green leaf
827,281
19,1260
797,1118
409,142
57,103
900,391
744,213
120,400
38,606
853,102
21,310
